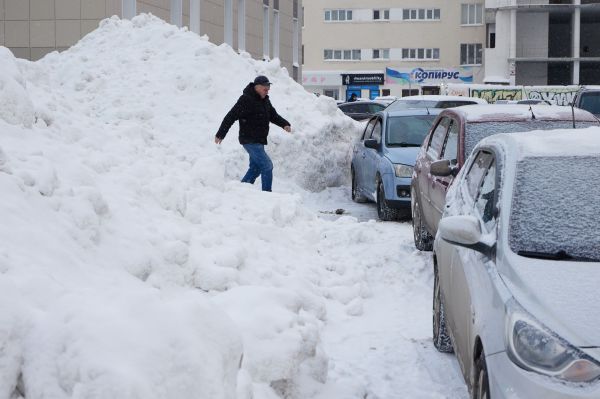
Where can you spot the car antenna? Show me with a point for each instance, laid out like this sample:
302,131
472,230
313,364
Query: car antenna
532,114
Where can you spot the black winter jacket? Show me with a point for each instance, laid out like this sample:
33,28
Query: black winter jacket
254,115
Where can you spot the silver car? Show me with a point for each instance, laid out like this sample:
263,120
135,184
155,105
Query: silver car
517,266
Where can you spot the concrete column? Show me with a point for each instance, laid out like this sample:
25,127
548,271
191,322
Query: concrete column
228,23
195,16
129,9
576,40
241,25
512,52
177,12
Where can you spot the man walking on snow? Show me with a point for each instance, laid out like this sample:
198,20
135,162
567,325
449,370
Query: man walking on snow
254,112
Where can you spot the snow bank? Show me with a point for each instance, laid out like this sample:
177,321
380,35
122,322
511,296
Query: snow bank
132,261
15,105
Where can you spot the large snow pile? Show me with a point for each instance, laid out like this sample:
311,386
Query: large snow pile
133,264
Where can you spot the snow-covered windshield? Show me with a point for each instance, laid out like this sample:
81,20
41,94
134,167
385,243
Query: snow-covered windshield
408,130
555,207
590,101
476,131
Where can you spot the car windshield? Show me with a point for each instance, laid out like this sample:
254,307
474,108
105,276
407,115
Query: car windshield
476,131
408,130
554,208
590,101
406,104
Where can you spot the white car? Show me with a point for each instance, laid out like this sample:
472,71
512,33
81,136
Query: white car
433,101
517,267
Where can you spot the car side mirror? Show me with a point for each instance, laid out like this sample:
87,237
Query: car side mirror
372,143
443,167
464,231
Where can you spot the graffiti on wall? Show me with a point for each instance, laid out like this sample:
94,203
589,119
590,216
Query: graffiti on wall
558,96
493,95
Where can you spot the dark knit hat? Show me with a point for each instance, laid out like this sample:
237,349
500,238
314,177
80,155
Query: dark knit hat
262,80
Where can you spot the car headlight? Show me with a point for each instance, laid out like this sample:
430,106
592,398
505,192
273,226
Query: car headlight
534,347
403,170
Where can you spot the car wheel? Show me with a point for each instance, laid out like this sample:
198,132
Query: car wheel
384,211
423,240
356,196
481,387
441,338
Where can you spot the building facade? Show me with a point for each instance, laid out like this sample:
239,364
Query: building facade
543,42
264,28
391,47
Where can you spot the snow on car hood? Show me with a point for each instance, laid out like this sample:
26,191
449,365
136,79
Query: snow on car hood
562,295
403,155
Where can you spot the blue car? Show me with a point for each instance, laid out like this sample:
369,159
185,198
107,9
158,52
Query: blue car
383,159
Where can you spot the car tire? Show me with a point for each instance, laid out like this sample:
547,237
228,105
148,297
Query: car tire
384,211
423,240
356,196
481,386
441,338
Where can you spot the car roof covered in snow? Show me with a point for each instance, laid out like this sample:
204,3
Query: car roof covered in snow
559,142
412,112
522,112
435,97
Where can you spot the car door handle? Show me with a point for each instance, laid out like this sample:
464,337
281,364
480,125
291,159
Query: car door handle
442,182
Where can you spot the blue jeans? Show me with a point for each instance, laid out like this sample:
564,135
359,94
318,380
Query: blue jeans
260,165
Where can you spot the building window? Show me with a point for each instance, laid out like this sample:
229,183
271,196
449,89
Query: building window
345,55
421,14
338,15
414,54
381,15
471,14
385,92
334,93
471,54
381,53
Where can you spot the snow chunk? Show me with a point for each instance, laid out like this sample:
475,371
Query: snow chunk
16,107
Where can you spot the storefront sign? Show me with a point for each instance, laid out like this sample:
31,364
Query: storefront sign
321,78
363,79
422,76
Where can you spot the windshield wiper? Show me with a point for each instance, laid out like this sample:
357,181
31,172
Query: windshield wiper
559,255
404,144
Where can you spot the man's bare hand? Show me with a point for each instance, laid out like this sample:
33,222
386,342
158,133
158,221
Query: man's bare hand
287,129
218,140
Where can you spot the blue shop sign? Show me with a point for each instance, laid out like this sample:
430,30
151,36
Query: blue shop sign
361,87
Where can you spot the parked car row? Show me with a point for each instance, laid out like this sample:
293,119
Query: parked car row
505,196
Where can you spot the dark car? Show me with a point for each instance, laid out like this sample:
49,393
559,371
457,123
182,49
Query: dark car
588,98
451,139
360,110
383,159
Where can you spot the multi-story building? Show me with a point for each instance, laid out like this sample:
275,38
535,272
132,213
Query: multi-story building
264,28
543,42
391,47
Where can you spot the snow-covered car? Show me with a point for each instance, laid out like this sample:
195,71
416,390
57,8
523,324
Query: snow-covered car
383,159
517,267
450,141
433,101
